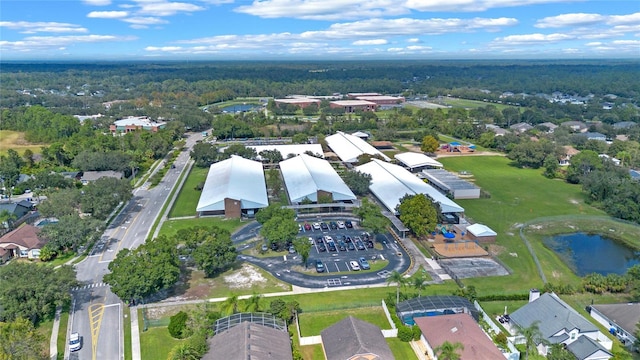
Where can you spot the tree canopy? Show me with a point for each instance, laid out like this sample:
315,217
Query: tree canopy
418,213
357,181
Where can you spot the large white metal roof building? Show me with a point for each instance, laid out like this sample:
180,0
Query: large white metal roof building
389,183
236,179
289,149
305,176
349,147
413,160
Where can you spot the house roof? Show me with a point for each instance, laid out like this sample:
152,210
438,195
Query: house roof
459,328
250,341
627,316
22,206
351,337
521,126
25,236
143,121
425,304
594,135
481,230
624,124
349,147
95,175
554,316
235,178
584,347
414,159
353,103
549,125
305,175
389,183
286,150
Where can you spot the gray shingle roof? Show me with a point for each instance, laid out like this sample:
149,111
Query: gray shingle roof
250,341
584,347
624,315
351,337
553,314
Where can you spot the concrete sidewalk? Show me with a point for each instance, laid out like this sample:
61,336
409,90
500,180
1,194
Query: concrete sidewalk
53,342
135,334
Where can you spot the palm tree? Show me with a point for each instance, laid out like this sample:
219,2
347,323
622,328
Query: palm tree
531,334
399,280
419,283
449,351
183,352
253,303
230,306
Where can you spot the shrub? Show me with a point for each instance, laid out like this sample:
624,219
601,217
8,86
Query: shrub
416,332
405,333
178,325
500,339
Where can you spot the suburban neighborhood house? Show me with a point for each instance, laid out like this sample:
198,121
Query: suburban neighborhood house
354,339
91,176
620,319
22,242
560,324
133,123
457,328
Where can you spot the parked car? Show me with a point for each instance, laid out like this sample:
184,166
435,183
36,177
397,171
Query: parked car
319,240
322,248
359,244
350,246
75,342
333,225
274,246
264,247
292,250
348,224
341,225
369,244
342,246
316,226
354,265
299,228
307,226
324,226
331,246
310,240
349,239
364,264
319,266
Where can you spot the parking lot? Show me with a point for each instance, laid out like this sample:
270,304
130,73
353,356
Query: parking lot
343,247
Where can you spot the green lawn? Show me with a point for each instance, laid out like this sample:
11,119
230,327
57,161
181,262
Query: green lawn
61,341
401,349
474,104
187,200
171,227
156,343
517,196
126,321
313,323
44,328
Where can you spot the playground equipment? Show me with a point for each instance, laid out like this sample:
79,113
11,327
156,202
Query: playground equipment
448,236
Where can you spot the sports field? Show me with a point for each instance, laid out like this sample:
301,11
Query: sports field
15,140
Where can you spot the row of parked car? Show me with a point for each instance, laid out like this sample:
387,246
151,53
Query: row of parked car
344,243
325,226
361,263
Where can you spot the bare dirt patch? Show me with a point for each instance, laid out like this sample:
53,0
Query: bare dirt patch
496,250
246,277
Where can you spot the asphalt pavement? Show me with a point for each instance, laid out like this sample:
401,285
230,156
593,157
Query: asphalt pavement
96,312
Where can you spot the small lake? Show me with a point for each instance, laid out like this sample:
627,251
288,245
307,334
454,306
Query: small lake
239,108
587,254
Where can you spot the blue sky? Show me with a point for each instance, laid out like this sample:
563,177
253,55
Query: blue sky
317,29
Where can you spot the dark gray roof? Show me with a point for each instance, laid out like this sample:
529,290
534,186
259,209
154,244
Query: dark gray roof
250,341
351,337
95,175
583,347
553,315
624,315
624,125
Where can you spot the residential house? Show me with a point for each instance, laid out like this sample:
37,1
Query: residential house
250,340
22,242
16,209
609,158
549,125
559,323
569,152
575,126
457,328
90,176
133,123
497,130
520,127
595,136
624,125
354,339
621,320
635,174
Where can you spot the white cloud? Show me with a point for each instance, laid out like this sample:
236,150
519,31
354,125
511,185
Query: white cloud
532,39
630,19
370,42
626,42
27,27
163,48
108,14
164,8
97,2
595,43
576,19
55,42
145,21
413,40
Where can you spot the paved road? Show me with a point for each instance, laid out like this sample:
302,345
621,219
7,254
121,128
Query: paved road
96,312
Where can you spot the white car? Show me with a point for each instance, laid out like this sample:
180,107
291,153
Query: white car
340,224
316,226
354,265
75,342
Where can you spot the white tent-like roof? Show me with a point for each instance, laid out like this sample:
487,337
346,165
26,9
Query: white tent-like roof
389,183
286,150
479,230
235,178
414,160
305,175
349,147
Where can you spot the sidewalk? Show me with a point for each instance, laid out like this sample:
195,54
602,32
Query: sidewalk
53,342
135,333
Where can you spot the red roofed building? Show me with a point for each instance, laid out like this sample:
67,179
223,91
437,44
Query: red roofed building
460,328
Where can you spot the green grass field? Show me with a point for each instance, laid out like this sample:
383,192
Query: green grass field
313,323
15,140
156,343
187,200
473,104
517,196
171,227
400,349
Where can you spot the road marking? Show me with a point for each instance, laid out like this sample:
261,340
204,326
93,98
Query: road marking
95,319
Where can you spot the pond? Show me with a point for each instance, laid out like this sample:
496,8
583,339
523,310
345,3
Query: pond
239,108
587,254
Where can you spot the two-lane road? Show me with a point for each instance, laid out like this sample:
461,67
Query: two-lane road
96,312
